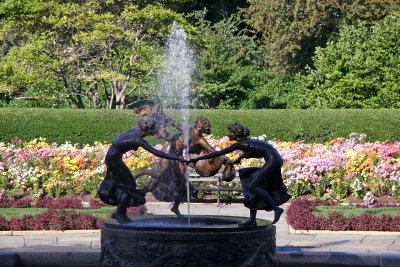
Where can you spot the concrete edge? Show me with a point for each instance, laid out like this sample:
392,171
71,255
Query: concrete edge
284,259
293,259
49,232
315,232
291,231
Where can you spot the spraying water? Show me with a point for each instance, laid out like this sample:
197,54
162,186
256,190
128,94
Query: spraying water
176,81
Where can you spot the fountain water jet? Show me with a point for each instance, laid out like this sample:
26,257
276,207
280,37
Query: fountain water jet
175,83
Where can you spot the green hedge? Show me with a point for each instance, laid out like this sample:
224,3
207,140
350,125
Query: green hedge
88,126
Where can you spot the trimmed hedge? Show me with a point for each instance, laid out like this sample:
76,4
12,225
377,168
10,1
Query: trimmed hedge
88,126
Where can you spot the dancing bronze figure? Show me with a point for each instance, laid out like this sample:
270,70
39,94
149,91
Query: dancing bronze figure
157,114
263,187
119,186
198,146
168,179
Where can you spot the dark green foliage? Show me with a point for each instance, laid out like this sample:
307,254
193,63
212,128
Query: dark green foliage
309,125
272,92
359,70
60,125
88,126
229,63
291,30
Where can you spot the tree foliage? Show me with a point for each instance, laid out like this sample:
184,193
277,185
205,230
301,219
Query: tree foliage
96,52
291,30
359,70
228,62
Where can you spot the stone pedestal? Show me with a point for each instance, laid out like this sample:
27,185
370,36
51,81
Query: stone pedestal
168,241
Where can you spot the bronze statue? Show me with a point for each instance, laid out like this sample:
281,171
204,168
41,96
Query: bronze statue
198,146
157,114
119,186
168,180
262,187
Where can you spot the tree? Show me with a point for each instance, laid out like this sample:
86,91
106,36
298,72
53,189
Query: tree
359,70
291,30
88,53
229,60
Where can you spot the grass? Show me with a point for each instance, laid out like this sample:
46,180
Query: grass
348,211
8,213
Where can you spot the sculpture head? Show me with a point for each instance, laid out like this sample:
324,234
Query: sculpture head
237,131
149,127
202,125
143,111
179,141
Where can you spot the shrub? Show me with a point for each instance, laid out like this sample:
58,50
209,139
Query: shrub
41,221
136,211
20,224
300,216
85,221
359,70
66,203
22,203
58,216
58,219
89,126
43,202
5,202
3,224
96,203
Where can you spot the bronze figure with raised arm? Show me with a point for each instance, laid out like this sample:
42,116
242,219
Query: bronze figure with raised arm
119,186
263,187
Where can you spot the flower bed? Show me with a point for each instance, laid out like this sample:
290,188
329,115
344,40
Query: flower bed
59,216
300,216
333,170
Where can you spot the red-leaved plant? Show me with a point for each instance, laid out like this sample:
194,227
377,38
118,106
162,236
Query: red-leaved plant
300,216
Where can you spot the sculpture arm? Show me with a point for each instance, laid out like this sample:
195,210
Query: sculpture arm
160,153
205,145
177,125
217,153
236,161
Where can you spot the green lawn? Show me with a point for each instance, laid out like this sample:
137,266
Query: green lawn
20,212
348,211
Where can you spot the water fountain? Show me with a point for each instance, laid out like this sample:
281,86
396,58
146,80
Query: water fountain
193,240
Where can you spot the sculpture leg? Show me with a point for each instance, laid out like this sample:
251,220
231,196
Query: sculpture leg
153,173
252,220
264,195
120,213
175,209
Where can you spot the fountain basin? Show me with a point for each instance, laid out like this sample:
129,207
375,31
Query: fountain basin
170,241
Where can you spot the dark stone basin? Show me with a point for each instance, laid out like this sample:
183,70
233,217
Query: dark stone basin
195,224
171,241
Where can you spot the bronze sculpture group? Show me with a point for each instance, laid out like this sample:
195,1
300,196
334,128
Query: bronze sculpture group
263,187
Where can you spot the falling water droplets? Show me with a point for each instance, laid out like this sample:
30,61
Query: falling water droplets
175,83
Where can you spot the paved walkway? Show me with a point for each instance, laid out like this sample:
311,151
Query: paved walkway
368,248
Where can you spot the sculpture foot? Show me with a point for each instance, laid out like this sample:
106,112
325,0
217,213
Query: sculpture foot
177,212
278,213
121,218
248,223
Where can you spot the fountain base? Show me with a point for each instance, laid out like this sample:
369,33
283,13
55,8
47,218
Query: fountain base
170,241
